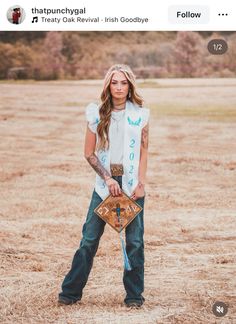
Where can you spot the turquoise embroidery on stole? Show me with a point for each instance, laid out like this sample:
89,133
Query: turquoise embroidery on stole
134,123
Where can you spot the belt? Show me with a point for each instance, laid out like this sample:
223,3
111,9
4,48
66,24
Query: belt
117,170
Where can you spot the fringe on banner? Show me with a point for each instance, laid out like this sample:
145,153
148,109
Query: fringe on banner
127,265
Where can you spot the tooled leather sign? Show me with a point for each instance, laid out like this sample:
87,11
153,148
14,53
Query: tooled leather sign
119,211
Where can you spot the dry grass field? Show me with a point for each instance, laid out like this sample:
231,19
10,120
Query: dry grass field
190,211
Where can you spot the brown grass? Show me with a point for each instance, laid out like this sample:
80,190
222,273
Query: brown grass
190,209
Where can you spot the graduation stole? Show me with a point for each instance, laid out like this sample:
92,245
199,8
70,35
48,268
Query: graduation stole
131,152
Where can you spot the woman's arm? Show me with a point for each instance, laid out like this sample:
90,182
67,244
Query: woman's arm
143,155
91,157
139,190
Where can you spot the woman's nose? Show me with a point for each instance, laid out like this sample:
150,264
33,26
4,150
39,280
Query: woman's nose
118,86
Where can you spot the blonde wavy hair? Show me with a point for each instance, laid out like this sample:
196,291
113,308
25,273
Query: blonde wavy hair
106,106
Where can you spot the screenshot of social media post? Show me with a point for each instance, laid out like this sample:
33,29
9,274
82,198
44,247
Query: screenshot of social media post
117,164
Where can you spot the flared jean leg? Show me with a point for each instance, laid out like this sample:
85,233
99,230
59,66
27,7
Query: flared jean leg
134,280
76,278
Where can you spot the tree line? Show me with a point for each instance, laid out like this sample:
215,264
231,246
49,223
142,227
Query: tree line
87,55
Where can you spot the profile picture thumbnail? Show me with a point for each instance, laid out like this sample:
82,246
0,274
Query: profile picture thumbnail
16,14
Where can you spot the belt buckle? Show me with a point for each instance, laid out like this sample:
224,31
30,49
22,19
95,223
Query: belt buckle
117,170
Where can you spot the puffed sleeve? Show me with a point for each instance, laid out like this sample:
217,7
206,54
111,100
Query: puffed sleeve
145,116
92,116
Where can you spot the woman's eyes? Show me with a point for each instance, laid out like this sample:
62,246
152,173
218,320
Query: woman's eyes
114,82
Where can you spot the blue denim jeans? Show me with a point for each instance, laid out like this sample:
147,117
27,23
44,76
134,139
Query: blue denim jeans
93,228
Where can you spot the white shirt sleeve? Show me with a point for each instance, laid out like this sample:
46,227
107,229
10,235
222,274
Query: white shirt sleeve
92,116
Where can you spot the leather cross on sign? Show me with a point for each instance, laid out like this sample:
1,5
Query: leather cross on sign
119,211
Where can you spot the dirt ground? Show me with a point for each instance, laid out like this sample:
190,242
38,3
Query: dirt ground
190,211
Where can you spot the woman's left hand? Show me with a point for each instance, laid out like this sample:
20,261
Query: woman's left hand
138,192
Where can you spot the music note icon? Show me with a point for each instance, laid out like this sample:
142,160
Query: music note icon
35,19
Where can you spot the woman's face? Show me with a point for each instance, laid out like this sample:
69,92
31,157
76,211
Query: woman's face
119,86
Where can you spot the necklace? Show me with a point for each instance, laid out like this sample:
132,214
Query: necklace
115,108
117,120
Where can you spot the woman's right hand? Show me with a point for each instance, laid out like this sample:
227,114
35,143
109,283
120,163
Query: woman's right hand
113,186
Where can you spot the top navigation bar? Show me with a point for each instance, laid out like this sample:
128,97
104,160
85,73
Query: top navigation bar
121,16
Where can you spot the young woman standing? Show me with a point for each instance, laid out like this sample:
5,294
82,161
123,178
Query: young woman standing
116,147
